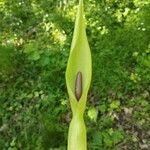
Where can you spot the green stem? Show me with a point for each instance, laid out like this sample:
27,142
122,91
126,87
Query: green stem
77,133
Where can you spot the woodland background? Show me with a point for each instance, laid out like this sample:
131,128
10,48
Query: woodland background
35,39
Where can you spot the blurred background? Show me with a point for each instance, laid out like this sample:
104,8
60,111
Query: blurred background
35,39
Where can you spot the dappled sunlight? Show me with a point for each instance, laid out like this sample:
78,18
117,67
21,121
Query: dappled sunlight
58,35
71,13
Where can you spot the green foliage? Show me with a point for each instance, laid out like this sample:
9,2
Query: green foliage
35,39
106,139
7,56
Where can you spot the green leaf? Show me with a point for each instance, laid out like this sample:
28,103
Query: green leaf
31,49
92,113
44,60
117,136
107,139
79,61
13,142
103,107
98,138
114,105
34,56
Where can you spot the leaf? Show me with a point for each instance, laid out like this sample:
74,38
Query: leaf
117,136
79,61
103,107
34,56
98,138
107,139
114,105
92,113
31,49
44,60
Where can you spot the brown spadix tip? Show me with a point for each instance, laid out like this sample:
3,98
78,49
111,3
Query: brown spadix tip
78,86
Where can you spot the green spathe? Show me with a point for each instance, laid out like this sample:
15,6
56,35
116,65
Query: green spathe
79,61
